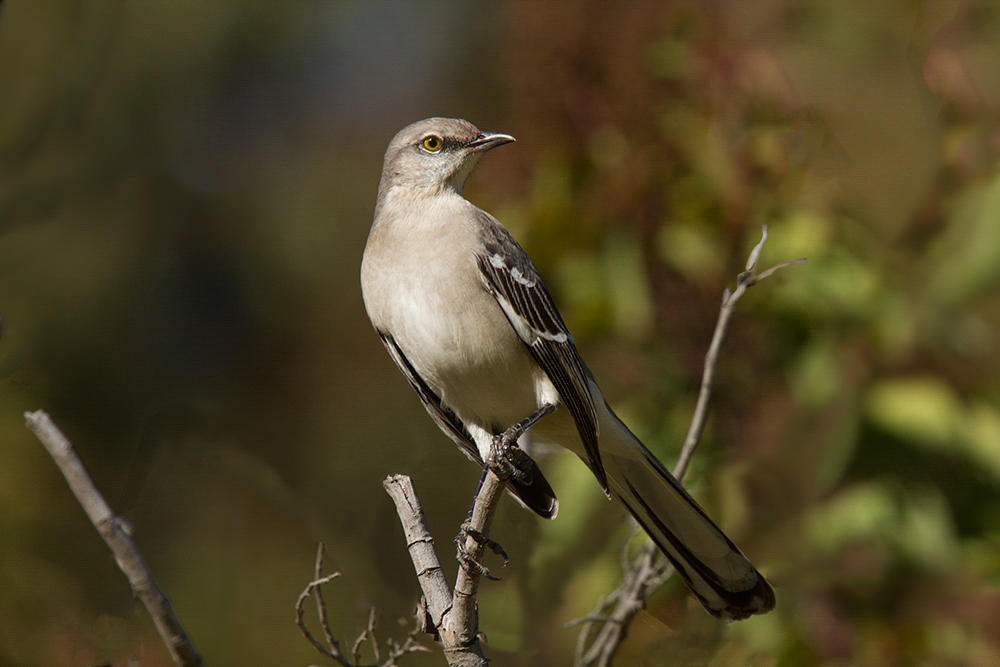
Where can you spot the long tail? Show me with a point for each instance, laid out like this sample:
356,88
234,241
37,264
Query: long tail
715,570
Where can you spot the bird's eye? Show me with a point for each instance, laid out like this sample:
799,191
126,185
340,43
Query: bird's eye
432,143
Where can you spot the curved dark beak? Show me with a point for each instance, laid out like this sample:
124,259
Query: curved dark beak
488,140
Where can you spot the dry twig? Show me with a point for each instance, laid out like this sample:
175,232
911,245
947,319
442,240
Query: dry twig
118,536
332,647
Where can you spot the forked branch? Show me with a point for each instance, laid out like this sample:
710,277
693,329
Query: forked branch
331,647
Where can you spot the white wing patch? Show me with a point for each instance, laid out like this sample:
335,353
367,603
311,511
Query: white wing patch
516,274
527,333
496,260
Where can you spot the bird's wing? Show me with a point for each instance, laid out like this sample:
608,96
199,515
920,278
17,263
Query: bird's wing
534,491
513,280
442,415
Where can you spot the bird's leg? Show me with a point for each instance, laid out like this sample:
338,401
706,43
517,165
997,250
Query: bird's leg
467,562
506,458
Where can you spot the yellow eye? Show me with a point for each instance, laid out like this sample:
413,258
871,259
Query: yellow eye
431,143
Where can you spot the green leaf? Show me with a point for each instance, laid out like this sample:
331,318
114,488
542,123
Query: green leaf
923,409
691,248
627,286
968,251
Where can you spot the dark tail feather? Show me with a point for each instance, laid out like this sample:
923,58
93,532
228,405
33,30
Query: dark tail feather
715,570
534,492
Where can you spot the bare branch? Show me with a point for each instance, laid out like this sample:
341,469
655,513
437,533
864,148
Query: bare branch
369,634
455,614
463,619
409,645
320,602
117,535
777,267
744,281
420,545
754,257
617,609
333,648
458,632
649,569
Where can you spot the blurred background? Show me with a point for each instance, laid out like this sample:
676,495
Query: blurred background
185,192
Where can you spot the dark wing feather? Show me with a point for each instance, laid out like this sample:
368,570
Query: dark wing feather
533,490
442,415
513,280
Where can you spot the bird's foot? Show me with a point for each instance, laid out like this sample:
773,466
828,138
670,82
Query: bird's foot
465,559
506,458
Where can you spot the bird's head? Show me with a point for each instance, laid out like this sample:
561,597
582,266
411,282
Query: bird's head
436,154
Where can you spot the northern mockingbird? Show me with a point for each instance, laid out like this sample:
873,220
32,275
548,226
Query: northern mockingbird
465,315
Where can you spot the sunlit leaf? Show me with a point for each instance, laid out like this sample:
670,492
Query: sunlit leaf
859,512
691,248
968,252
627,286
924,409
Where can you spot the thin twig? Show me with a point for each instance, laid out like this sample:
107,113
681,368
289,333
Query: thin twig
649,570
369,634
333,649
627,601
729,298
409,645
117,536
320,602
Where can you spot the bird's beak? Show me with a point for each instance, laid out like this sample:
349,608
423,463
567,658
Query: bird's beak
488,140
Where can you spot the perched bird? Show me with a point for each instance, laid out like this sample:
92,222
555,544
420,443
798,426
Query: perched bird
465,315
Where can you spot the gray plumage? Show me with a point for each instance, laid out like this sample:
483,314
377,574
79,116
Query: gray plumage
467,318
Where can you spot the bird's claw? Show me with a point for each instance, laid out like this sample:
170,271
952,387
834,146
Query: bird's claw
470,564
507,459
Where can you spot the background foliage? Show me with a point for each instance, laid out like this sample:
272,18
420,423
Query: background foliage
185,190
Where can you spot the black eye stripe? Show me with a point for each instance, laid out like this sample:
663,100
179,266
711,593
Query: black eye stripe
445,143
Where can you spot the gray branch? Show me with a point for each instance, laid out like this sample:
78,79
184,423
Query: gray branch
420,545
117,535
453,613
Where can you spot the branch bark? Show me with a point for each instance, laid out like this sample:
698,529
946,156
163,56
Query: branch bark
463,620
118,536
420,544
453,613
